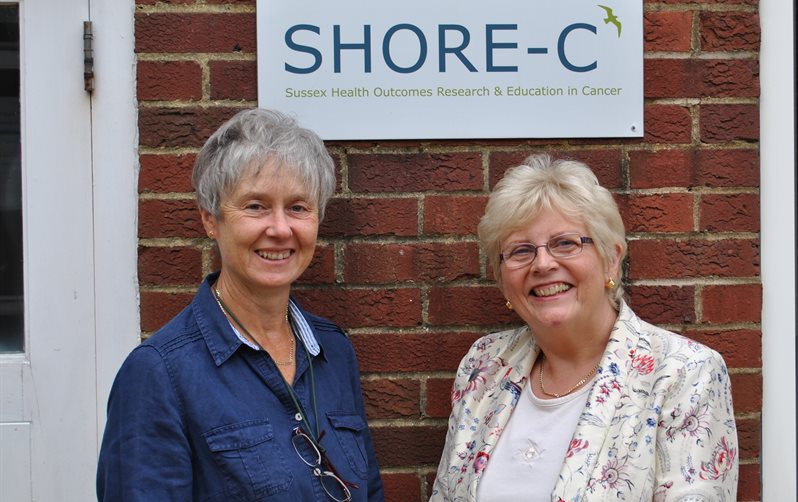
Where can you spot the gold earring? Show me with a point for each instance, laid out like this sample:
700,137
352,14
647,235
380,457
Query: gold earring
509,305
210,234
610,283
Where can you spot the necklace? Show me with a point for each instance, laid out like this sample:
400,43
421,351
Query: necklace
576,386
232,316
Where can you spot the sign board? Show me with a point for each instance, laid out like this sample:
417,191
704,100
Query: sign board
423,69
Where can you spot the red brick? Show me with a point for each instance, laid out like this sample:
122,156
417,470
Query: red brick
727,168
406,352
690,168
322,267
729,31
667,31
236,80
453,214
670,259
732,303
173,2
226,32
169,218
165,173
606,164
746,392
355,308
384,263
170,266
439,397
392,398
740,348
460,305
720,123
667,124
230,2
663,304
749,433
679,78
168,80
415,172
364,217
156,309
704,2
401,487
749,487
671,212
400,446
661,168
730,213
180,127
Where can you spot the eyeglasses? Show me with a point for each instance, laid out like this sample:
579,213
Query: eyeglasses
312,455
521,254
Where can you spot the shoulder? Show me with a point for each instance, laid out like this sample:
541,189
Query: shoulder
323,325
180,331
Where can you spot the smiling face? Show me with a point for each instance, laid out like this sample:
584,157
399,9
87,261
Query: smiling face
266,231
564,293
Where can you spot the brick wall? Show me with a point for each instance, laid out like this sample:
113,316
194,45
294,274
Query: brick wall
398,264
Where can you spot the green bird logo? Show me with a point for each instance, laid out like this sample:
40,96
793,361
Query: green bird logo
612,18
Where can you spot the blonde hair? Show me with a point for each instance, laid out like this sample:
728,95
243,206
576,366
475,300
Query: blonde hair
566,186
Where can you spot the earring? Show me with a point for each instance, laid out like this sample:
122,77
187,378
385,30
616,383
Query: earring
211,234
509,305
610,283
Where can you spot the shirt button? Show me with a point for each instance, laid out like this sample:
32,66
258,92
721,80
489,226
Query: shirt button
298,417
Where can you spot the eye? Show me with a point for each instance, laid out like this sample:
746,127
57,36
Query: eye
522,251
564,243
254,206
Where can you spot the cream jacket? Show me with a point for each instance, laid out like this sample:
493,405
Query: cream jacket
658,424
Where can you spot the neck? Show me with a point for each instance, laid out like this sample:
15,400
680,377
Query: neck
576,342
263,316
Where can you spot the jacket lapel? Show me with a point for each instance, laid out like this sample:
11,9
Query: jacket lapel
596,424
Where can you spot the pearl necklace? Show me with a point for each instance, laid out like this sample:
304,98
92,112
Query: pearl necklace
576,386
230,314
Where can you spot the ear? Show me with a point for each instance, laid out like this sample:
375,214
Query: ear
209,223
614,269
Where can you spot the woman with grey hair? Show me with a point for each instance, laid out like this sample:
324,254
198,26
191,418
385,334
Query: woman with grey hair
586,402
244,395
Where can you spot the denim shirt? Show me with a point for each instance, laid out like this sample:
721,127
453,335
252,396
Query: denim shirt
195,414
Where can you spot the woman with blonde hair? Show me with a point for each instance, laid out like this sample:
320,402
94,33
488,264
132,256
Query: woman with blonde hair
586,401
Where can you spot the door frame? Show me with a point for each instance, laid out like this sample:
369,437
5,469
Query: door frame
80,245
778,219
116,169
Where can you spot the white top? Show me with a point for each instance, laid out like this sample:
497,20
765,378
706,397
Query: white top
529,455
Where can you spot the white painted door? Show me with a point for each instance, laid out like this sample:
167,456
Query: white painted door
54,384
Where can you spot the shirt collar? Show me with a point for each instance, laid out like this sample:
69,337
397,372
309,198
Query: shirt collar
299,325
223,342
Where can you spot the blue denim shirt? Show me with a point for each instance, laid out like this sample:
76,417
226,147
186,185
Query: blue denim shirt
195,414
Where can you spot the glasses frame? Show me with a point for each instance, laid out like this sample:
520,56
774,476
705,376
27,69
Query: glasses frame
321,459
581,239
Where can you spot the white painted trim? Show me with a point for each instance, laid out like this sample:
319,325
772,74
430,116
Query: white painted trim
777,150
115,155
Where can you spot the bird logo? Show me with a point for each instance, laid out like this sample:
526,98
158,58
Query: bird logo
612,18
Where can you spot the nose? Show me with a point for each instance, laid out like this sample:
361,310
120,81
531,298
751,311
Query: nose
278,226
543,260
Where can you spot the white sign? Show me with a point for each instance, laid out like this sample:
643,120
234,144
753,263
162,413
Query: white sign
420,69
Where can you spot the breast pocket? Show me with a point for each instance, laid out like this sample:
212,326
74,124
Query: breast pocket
251,460
350,430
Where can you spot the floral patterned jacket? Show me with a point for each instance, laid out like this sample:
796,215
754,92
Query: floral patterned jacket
658,424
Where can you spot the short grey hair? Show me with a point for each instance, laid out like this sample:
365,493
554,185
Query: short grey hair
249,141
566,186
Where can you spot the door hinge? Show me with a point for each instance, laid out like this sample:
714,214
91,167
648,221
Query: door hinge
88,58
